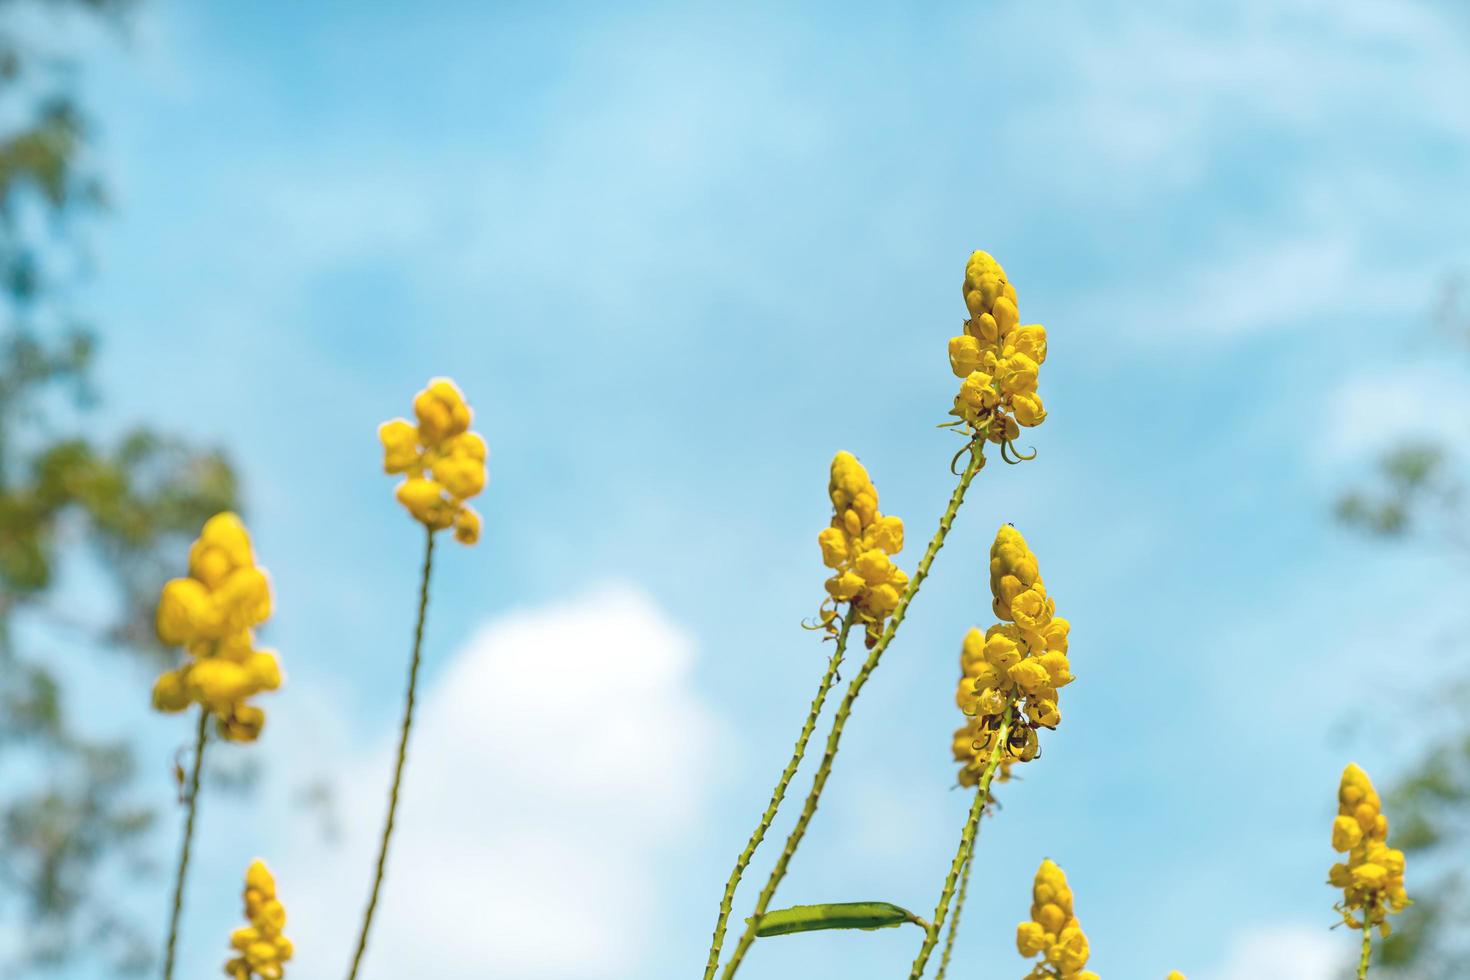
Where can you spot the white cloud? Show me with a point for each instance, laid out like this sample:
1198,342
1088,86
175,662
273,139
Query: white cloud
1365,414
1283,952
552,763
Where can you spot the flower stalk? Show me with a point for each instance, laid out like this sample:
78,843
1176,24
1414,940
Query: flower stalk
965,852
191,804
404,731
777,796
844,710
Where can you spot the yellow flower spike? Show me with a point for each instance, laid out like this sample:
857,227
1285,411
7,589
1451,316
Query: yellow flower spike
997,358
1053,932
857,545
444,462
210,615
1372,877
262,950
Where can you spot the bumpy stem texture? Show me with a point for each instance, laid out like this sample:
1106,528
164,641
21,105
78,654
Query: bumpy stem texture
1367,946
413,677
727,900
839,721
965,852
192,804
954,920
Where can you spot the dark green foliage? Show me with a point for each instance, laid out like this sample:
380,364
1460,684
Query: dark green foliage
68,819
1416,492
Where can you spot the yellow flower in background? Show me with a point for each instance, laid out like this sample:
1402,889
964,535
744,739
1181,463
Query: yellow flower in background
1053,932
1021,660
211,615
261,949
1175,975
1372,877
997,358
442,461
857,546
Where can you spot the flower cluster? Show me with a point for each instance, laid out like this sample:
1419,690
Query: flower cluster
997,357
443,460
210,614
1372,879
1053,932
857,547
260,946
1021,659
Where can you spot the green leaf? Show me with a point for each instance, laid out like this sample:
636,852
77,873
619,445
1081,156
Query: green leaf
834,915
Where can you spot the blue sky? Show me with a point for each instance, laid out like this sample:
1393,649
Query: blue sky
677,255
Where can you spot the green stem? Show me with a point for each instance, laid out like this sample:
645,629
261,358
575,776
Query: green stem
954,921
192,804
834,736
1367,946
727,900
413,677
965,851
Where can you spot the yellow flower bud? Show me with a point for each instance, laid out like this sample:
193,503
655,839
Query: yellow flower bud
441,412
400,439
462,476
467,526
1028,409
887,534
1345,834
1030,676
1030,939
425,500
169,692
240,723
264,671
1029,340
219,682
185,611
964,355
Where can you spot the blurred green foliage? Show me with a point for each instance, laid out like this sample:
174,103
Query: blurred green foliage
128,503
1415,491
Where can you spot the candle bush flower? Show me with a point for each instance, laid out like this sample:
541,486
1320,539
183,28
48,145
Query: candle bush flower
997,358
444,465
443,462
1021,659
210,614
1372,877
858,546
261,950
1053,932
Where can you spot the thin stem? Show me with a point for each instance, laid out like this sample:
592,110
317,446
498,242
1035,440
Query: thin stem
965,851
1367,946
727,900
954,920
192,804
834,736
413,677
